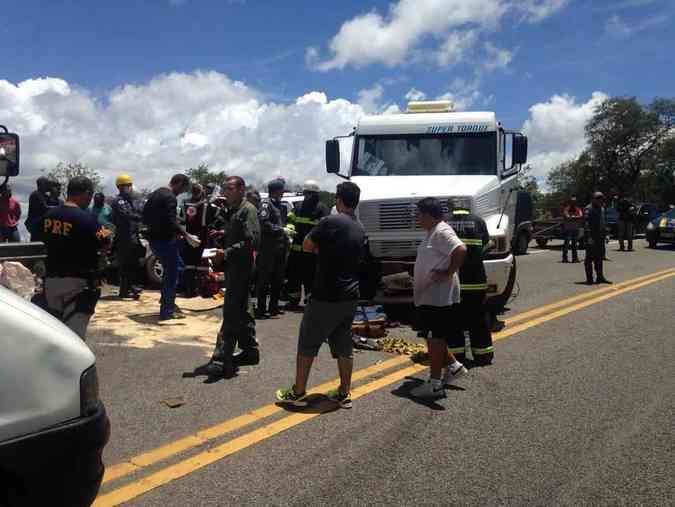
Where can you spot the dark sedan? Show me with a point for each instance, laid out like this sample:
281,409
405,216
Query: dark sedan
661,229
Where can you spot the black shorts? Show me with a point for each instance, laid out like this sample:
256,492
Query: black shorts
327,321
439,320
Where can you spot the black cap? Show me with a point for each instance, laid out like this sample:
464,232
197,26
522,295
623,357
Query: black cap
275,185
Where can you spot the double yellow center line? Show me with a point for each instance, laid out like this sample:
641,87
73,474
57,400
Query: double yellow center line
516,324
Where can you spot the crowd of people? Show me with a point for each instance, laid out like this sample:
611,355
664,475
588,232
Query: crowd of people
261,243
317,253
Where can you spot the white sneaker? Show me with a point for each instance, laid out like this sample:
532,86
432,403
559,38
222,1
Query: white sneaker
430,389
450,375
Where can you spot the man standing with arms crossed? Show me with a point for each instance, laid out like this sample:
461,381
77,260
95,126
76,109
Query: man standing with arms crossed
437,294
126,217
338,241
241,238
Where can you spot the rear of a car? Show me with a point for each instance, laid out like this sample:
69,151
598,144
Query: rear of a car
661,229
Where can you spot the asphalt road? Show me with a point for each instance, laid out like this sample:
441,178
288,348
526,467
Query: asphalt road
576,410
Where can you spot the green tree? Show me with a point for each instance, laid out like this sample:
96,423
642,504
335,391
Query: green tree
64,172
624,137
203,175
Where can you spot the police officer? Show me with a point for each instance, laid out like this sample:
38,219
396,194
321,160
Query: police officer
472,313
626,222
302,265
595,232
126,217
241,238
39,202
271,258
73,238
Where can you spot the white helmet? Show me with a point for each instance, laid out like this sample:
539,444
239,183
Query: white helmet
310,186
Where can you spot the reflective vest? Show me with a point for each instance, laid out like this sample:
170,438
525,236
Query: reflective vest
305,217
471,229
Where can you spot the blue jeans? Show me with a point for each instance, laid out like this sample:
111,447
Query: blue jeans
10,235
172,264
571,237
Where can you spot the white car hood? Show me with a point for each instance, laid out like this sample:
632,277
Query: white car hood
397,187
40,368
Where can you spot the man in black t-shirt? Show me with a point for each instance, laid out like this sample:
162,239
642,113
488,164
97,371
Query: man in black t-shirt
73,238
338,241
160,215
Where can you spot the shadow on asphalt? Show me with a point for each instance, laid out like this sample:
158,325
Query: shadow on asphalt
317,404
200,371
153,319
403,391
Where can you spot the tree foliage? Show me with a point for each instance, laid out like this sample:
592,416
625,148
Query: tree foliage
203,175
64,172
631,151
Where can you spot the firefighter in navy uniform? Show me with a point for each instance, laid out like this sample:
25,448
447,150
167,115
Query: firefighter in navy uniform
271,259
472,312
302,265
126,217
73,238
200,214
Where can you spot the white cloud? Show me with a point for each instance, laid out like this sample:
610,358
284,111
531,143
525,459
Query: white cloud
455,47
537,10
374,38
556,130
415,94
463,93
369,98
618,28
496,58
169,124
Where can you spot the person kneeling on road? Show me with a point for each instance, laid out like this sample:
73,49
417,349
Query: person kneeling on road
338,241
73,238
436,294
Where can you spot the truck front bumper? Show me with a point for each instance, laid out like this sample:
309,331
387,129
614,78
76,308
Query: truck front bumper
61,465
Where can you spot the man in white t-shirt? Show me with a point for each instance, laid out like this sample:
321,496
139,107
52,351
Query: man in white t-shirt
437,292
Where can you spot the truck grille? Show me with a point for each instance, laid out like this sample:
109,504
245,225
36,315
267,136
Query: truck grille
393,249
391,215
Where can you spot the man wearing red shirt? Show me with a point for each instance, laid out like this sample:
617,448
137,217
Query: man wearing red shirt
10,213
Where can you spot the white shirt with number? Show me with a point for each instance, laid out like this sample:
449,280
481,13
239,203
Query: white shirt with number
433,254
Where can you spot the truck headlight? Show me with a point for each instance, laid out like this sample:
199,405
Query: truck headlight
499,244
89,392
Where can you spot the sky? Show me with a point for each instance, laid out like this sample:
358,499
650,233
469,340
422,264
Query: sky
153,87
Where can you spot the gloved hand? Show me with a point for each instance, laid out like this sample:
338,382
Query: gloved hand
192,240
290,231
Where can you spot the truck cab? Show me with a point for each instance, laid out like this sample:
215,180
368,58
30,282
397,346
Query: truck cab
433,151
53,426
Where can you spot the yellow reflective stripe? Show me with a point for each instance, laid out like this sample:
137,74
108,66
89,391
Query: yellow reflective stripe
486,350
472,242
296,248
306,221
456,350
474,286
460,212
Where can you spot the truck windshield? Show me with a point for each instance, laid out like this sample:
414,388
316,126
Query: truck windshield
426,154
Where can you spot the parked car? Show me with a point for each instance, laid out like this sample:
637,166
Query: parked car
661,229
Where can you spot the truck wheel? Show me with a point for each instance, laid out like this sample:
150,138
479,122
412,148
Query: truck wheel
498,303
522,241
153,271
541,242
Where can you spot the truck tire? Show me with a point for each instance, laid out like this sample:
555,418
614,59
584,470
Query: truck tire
521,243
498,303
541,242
153,271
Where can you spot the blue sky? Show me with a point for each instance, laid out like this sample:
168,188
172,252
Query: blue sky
535,62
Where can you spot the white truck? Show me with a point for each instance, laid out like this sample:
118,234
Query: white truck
53,426
432,151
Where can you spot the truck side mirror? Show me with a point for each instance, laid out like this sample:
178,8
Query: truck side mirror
333,156
519,149
9,154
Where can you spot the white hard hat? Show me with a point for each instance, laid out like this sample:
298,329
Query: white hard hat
310,186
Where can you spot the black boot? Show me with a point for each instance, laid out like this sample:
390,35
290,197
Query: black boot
216,368
247,357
